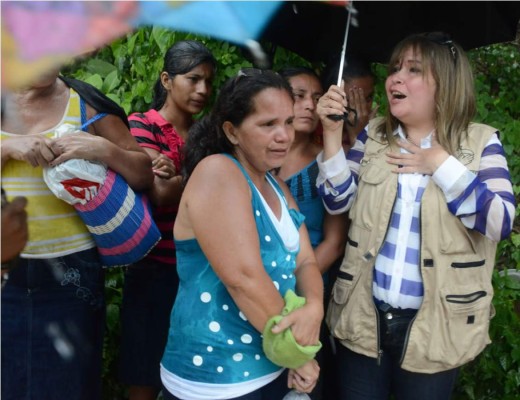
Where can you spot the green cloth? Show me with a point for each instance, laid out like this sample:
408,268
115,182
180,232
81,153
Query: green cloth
281,348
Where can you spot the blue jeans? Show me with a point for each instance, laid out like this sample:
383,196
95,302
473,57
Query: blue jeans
52,328
148,294
275,390
362,379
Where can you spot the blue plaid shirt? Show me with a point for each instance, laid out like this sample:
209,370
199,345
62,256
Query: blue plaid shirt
484,202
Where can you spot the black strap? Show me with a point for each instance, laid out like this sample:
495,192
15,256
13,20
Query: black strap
96,99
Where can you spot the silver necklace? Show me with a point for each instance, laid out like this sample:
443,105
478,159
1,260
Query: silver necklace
411,141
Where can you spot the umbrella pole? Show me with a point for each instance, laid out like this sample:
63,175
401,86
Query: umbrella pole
351,10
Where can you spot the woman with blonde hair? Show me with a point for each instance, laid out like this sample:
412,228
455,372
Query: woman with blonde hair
429,197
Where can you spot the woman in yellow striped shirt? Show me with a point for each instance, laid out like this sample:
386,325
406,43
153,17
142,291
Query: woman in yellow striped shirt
53,303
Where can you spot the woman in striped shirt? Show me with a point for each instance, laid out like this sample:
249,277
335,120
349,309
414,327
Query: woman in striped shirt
429,196
53,302
182,90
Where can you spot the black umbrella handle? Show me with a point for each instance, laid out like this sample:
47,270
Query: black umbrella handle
345,117
336,117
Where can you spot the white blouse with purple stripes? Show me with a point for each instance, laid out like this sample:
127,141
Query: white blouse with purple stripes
397,278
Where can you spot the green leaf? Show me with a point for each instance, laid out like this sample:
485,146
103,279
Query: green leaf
114,97
515,238
112,318
111,82
100,67
95,80
131,42
163,38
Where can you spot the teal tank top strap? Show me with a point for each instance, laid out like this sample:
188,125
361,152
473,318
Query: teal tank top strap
268,175
251,184
296,216
277,187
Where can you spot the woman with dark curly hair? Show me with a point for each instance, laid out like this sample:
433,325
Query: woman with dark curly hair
242,252
182,90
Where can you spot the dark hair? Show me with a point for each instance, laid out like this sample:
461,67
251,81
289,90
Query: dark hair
289,72
234,103
354,67
180,59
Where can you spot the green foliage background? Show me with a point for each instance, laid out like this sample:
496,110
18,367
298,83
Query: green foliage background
126,71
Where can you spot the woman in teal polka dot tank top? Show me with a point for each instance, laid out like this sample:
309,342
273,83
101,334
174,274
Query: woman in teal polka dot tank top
241,245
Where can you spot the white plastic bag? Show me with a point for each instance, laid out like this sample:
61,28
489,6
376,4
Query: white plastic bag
295,395
74,181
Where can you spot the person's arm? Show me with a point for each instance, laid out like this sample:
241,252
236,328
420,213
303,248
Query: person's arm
110,143
334,238
304,322
337,178
217,206
332,103
304,379
483,201
167,185
14,227
32,149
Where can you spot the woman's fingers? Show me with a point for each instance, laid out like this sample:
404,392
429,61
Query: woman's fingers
47,152
163,167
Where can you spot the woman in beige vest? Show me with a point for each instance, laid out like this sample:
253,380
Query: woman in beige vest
429,196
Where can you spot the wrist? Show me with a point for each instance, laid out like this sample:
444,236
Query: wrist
315,306
332,144
440,159
5,152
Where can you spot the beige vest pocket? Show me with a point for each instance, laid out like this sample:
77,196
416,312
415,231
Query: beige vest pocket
337,314
462,332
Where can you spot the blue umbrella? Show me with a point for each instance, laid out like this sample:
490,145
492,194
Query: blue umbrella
239,22
38,36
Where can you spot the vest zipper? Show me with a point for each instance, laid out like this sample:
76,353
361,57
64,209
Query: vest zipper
379,349
407,337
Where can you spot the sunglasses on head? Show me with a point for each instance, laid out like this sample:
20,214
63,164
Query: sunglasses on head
443,39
